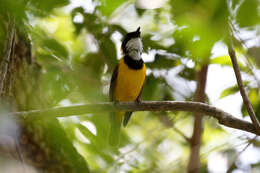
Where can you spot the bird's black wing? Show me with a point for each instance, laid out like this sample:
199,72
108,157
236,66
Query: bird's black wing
138,100
113,84
115,124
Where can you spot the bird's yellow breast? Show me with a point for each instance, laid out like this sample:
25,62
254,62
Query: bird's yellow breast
129,82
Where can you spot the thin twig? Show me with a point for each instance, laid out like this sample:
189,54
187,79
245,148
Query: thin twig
242,44
166,121
233,163
243,92
204,155
224,118
182,134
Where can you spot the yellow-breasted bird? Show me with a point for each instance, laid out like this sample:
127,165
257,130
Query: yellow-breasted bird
127,81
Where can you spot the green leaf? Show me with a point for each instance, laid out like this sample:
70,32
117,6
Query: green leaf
119,28
50,133
140,11
229,91
108,49
221,60
87,76
48,45
56,48
155,88
161,62
183,40
255,53
187,73
243,110
15,8
232,90
108,6
248,13
86,132
205,20
58,140
201,49
42,8
226,61
56,84
150,44
254,99
235,3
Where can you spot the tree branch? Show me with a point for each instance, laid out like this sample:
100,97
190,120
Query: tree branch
182,134
194,161
224,118
244,95
167,122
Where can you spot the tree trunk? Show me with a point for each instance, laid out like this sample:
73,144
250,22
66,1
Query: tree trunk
194,161
29,143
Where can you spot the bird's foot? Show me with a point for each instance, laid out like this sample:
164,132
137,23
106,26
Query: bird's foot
116,102
139,100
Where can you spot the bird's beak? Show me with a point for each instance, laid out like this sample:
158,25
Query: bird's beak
138,29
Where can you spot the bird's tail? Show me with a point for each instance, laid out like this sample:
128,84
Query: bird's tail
127,118
115,119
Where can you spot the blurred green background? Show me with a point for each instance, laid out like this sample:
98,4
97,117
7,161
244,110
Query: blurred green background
76,45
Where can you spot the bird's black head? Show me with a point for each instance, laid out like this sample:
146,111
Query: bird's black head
128,37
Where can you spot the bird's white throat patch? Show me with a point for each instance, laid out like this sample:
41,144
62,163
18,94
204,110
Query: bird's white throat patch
134,48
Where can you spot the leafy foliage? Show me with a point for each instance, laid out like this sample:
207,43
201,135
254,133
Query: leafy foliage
251,6
77,49
108,6
229,91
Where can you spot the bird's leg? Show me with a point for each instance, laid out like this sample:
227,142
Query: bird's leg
138,100
115,102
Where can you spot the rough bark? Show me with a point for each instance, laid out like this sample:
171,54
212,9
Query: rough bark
20,91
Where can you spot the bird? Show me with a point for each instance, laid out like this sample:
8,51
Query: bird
127,81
